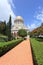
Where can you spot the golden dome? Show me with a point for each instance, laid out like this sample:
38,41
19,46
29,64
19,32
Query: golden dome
19,18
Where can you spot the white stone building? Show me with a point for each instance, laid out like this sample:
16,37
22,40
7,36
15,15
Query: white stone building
18,24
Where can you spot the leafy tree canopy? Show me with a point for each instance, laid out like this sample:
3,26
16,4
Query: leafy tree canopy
22,32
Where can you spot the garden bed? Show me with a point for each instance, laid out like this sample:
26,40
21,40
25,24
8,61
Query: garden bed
6,46
3,38
37,50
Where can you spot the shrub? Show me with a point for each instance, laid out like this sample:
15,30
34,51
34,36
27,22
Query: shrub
6,46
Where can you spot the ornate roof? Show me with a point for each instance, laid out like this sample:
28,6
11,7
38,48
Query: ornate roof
19,18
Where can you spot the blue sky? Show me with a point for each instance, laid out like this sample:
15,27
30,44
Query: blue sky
30,10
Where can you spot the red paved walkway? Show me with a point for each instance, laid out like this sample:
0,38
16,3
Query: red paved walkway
20,55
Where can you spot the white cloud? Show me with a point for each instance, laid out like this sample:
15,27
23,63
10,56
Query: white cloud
38,19
39,15
6,10
32,26
12,4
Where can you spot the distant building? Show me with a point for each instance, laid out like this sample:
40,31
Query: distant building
41,35
18,24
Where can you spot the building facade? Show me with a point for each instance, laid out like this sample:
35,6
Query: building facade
18,24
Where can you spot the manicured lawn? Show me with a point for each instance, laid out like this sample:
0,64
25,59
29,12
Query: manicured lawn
3,38
37,48
6,46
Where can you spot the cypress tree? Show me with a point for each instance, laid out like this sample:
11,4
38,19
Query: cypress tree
9,29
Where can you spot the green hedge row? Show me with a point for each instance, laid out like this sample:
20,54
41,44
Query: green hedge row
6,46
37,51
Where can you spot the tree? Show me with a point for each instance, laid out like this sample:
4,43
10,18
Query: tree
3,27
41,24
37,31
22,32
8,29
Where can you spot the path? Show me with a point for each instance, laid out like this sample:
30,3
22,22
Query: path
20,55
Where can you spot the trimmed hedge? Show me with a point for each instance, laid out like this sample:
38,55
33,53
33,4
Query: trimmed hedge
6,46
37,50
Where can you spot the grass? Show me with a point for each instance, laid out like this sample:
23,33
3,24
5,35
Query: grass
3,38
37,48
